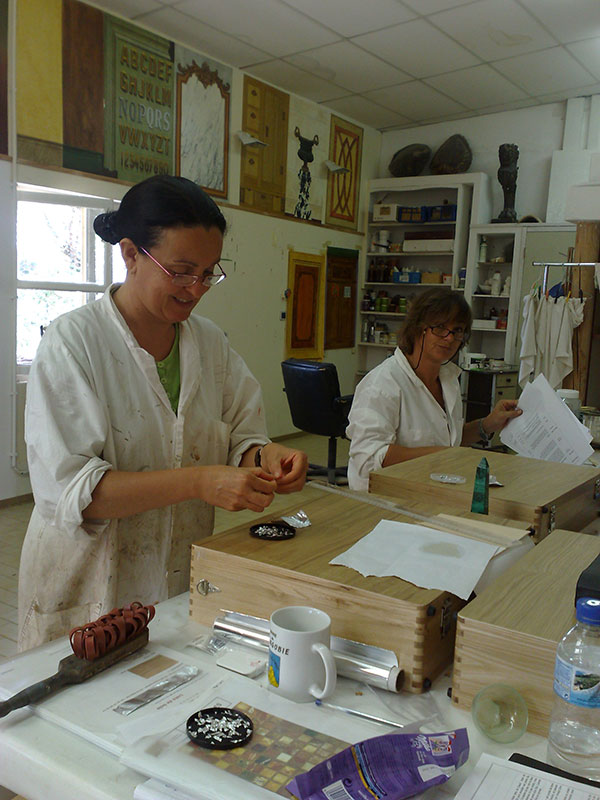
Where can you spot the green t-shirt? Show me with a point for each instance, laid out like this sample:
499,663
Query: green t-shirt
169,374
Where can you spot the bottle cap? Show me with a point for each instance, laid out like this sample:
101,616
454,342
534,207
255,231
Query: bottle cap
588,610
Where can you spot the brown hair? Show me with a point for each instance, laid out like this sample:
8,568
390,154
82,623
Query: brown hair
433,307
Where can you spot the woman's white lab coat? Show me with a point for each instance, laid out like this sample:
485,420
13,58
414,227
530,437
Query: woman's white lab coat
392,405
95,402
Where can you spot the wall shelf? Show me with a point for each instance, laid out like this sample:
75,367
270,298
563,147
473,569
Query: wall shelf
467,193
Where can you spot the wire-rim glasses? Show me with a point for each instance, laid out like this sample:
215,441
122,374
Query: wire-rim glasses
184,279
442,332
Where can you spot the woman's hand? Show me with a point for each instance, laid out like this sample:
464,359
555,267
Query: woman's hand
288,467
500,415
236,488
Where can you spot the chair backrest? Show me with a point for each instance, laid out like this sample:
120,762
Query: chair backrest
312,388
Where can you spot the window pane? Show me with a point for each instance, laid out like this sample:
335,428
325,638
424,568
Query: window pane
118,265
51,243
38,307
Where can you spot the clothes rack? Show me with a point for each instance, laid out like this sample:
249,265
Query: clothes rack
548,264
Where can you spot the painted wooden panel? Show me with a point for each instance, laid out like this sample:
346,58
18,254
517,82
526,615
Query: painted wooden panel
83,87
39,71
305,318
345,149
139,95
340,301
203,107
263,170
4,76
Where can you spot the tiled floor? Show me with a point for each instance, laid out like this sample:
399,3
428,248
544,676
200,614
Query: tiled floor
14,520
13,524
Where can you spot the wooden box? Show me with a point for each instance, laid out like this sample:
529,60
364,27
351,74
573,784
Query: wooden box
256,576
509,633
543,494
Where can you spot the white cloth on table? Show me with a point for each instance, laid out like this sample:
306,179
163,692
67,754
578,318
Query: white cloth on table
392,405
95,403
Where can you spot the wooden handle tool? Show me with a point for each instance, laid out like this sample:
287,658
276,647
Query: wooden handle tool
72,669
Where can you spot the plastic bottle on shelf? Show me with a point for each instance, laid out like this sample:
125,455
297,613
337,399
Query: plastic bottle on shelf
483,250
574,736
496,283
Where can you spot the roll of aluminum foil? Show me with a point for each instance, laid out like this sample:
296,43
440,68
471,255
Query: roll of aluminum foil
360,662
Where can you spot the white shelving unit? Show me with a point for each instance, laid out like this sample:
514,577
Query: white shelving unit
469,192
495,316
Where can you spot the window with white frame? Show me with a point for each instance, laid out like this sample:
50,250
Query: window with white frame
61,263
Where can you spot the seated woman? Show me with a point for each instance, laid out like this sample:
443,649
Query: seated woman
411,404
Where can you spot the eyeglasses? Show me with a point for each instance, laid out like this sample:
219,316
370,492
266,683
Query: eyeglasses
442,332
184,279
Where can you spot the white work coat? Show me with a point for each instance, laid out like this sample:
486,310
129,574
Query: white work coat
392,405
95,402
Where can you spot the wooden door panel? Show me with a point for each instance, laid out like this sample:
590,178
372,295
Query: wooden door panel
306,306
340,302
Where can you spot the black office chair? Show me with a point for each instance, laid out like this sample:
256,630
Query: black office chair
316,406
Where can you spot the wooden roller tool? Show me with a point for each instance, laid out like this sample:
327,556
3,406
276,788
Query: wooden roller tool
96,646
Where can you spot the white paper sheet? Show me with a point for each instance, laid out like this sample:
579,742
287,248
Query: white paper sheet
97,721
426,557
547,429
504,780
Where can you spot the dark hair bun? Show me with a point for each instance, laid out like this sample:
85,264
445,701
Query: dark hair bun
107,228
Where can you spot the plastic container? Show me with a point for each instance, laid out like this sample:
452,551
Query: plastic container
496,283
483,250
500,713
571,398
574,736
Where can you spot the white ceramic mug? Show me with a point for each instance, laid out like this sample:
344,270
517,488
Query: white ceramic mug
301,665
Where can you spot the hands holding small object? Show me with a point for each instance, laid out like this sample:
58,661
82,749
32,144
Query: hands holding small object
287,466
263,472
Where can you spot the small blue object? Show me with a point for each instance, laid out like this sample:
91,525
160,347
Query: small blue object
587,611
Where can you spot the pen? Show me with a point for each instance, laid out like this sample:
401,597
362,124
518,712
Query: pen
356,713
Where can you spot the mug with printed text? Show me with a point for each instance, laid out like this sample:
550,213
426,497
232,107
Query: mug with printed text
301,665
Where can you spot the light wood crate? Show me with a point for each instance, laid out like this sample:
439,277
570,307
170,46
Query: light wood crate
545,495
256,576
510,632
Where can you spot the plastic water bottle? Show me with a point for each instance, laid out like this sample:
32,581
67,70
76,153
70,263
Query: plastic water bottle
574,737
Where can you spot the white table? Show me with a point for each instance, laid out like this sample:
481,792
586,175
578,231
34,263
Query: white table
41,761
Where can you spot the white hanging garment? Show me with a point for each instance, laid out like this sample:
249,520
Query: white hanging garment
546,337
528,340
565,315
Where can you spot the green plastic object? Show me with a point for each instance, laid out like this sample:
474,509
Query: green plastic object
481,489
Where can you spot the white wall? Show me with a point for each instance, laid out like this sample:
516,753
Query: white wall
537,132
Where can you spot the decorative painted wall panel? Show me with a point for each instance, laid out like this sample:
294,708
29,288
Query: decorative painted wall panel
203,104
345,149
140,102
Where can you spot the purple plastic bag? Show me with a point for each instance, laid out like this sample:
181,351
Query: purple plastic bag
394,766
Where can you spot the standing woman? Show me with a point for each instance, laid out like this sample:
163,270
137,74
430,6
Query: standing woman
140,419
411,404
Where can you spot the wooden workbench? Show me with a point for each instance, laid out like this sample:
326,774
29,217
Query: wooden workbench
543,494
256,576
